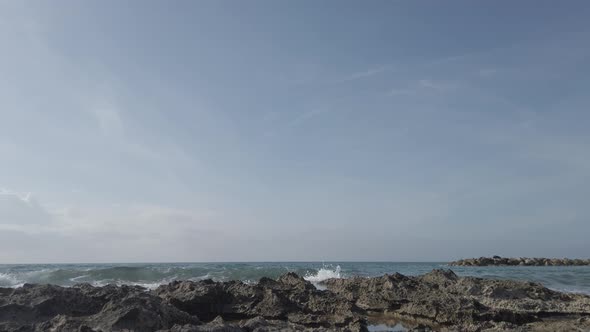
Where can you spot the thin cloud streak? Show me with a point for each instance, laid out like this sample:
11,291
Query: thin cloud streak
368,73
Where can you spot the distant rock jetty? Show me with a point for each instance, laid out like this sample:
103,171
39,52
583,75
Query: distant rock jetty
436,301
522,261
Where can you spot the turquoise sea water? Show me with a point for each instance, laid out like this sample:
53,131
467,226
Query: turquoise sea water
570,279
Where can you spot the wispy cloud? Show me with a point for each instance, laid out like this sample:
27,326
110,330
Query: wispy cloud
307,116
449,59
21,211
108,120
277,124
133,227
368,73
422,86
487,72
435,85
7,194
401,92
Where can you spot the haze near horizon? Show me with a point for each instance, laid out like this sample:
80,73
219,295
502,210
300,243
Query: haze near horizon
293,131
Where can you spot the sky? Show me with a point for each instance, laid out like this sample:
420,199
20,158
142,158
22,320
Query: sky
150,131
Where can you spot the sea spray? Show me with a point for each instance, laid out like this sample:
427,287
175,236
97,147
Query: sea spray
322,274
151,275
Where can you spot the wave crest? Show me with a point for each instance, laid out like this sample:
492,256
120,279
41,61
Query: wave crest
324,273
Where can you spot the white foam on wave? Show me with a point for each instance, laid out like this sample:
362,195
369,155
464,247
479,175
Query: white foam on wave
323,274
571,290
9,280
199,278
75,279
148,285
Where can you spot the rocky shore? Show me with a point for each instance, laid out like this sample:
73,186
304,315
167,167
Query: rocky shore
522,261
436,301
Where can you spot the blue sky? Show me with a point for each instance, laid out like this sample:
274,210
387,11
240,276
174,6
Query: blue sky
293,130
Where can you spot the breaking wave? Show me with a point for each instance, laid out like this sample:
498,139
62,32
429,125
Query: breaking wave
323,274
153,275
570,279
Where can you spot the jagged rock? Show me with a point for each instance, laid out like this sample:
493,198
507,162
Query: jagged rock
216,325
87,308
289,298
436,301
522,261
448,300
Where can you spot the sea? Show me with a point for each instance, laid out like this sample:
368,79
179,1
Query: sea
150,275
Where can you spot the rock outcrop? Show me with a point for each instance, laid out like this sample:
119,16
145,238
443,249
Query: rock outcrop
290,298
86,308
522,261
439,300
442,299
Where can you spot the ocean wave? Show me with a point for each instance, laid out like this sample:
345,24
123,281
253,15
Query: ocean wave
144,284
324,273
574,290
568,279
8,280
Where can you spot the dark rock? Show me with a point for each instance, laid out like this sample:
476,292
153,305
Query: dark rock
499,261
443,298
289,298
439,300
87,308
